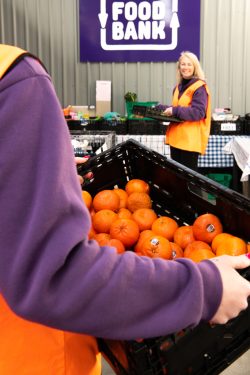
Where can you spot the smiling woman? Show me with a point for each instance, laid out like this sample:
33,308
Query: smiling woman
190,103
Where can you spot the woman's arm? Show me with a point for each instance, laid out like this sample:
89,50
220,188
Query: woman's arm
50,272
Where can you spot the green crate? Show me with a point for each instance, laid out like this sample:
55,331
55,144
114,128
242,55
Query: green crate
130,106
222,178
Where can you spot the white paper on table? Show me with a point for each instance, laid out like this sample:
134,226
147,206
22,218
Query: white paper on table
240,148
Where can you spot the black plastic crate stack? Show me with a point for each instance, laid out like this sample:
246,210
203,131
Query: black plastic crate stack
119,126
84,124
247,124
147,127
228,127
182,193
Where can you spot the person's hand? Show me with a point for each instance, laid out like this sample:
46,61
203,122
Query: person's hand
236,289
168,111
88,175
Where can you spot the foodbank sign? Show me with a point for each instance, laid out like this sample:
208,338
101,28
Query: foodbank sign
131,31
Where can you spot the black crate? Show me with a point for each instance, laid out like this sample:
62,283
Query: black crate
118,126
146,127
181,193
85,124
247,124
228,127
74,124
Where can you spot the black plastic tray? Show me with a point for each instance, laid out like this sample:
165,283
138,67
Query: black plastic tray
183,194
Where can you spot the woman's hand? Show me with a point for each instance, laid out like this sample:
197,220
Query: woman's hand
88,175
236,289
168,111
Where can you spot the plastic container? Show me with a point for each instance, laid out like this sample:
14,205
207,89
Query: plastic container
236,127
178,192
130,105
247,124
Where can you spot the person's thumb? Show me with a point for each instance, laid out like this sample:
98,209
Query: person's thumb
236,262
241,261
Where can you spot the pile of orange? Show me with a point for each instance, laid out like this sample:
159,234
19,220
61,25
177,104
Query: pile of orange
125,220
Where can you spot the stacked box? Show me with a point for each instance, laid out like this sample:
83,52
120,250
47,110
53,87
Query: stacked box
232,127
247,124
181,193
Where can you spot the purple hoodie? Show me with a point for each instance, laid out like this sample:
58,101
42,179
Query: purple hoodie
49,271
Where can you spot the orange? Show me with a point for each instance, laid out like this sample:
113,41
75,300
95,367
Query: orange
106,199
102,220
206,227
165,226
143,235
92,212
176,251
87,198
201,254
137,185
196,245
232,246
102,238
156,247
92,232
220,238
144,217
124,213
122,194
184,235
138,200
125,230
113,242
248,247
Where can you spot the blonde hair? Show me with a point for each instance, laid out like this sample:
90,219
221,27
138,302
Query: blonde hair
198,72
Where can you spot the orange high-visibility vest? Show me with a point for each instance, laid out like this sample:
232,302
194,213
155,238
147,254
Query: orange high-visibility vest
190,135
28,348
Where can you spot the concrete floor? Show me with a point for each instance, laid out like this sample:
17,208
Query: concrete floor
106,369
239,367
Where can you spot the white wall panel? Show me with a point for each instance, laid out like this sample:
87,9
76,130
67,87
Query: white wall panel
49,29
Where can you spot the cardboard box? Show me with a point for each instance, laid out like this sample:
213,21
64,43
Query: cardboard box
103,97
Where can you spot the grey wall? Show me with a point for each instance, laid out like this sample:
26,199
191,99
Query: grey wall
49,29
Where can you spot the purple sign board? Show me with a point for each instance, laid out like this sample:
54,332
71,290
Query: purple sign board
133,31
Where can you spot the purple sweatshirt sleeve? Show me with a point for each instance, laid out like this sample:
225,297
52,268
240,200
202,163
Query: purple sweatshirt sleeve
49,271
197,110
